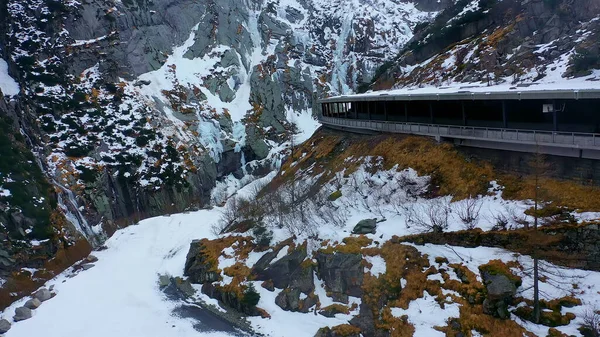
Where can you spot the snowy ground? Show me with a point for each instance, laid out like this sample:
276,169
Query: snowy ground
120,295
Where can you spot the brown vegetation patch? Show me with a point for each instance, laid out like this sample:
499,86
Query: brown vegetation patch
345,330
352,245
213,249
331,152
563,193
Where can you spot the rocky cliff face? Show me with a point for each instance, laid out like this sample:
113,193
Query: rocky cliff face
500,42
137,108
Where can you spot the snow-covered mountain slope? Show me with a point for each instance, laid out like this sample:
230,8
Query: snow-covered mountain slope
508,42
137,109
143,106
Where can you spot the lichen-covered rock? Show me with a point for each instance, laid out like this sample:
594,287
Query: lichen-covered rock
332,310
501,288
342,273
230,299
197,268
366,226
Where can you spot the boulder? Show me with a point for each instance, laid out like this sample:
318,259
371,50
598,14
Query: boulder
4,326
367,226
289,300
500,292
329,332
22,313
342,273
230,299
184,286
196,267
33,303
87,266
289,271
264,261
90,259
499,286
331,311
163,281
43,294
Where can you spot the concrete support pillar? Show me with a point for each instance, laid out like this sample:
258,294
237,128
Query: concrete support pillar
504,115
345,105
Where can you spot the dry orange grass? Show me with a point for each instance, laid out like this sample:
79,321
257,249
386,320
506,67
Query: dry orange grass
561,193
331,153
213,249
345,330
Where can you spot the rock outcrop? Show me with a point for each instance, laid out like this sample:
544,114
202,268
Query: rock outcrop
367,226
342,274
197,268
289,271
501,287
513,42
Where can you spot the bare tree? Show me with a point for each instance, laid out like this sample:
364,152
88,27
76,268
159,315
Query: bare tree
540,168
468,211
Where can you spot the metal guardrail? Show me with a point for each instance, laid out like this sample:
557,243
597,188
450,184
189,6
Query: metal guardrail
518,136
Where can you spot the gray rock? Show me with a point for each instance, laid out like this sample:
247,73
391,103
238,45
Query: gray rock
342,273
499,286
87,266
22,313
163,281
142,83
33,303
43,294
184,286
367,226
4,326
500,292
288,299
288,271
196,267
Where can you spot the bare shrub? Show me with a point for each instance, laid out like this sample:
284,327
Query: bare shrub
591,322
468,211
509,218
429,215
500,221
